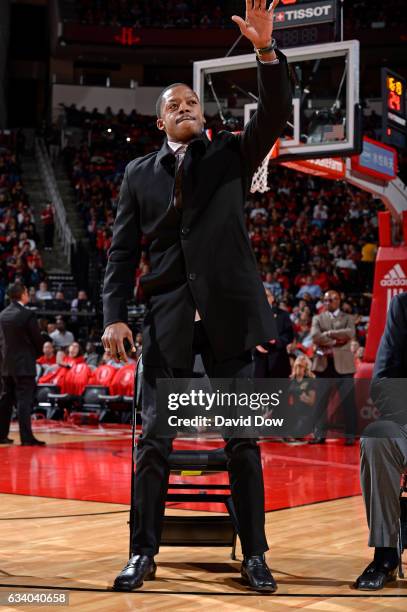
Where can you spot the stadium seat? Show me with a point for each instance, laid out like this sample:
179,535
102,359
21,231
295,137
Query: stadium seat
91,401
121,391
74,383
56,377
77,378
43,404
103,375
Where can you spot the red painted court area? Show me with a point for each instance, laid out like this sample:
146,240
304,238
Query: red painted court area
99,470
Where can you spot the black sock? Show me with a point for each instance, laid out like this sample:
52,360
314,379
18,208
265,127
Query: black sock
386,554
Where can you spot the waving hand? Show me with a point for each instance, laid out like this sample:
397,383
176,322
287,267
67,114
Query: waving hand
258,25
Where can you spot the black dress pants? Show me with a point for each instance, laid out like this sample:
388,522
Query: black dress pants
345,387
152,467
17,391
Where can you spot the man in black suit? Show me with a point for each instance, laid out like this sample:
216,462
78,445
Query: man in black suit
383,449
21,343
271,358
204,293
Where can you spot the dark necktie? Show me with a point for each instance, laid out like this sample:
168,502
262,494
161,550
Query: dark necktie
179,157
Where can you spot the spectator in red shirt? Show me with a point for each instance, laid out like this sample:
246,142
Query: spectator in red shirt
48,357
48,360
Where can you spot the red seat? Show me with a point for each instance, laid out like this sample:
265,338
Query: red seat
57,377
123,381
76,379
103,375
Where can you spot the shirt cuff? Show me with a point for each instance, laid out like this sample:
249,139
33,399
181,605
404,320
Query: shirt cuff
276,61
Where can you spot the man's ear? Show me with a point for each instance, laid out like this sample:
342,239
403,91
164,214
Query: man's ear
160,124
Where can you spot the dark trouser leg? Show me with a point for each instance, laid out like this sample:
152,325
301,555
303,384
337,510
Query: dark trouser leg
152,469
346,392
382,461
261,366
151,484
25,389
244,462
345,387
247,487
322,399
6,406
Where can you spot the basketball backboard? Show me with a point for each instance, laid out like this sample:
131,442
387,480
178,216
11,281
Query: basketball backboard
325,120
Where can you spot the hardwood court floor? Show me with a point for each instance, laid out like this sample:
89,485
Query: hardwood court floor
316,553
94,464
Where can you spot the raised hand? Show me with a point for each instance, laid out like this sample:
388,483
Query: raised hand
258,25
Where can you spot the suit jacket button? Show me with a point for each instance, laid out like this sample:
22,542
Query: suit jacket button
184,231
192,276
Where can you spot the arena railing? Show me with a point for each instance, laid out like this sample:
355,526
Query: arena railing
63,230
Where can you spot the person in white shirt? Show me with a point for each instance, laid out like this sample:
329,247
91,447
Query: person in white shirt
43,293
61,337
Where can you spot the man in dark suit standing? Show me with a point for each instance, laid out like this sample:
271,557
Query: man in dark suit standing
383,449
204,293
21,344
271,358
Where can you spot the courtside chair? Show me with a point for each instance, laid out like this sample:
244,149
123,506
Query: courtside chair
43,404
119,400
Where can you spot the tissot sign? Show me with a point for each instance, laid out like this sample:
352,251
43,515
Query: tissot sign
304,14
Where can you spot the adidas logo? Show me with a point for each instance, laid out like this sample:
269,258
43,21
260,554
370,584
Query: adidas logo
394,278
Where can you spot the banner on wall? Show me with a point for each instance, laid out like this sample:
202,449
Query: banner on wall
389,280
376,160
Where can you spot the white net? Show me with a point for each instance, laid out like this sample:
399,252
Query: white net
260,177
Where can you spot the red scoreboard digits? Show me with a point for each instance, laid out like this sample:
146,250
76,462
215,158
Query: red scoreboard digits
395,93
394,120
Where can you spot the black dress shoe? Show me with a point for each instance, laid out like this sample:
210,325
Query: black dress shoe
6,441
33,442
132,576
376,575
255,572
317,441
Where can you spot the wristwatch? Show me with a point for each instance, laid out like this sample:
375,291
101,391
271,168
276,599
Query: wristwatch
263,50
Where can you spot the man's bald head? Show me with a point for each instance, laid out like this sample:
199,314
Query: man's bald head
332,300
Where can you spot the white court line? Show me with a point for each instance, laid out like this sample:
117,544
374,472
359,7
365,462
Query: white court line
346,466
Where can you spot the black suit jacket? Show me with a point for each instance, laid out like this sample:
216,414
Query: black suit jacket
277,356
389,380
20,341
201,258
